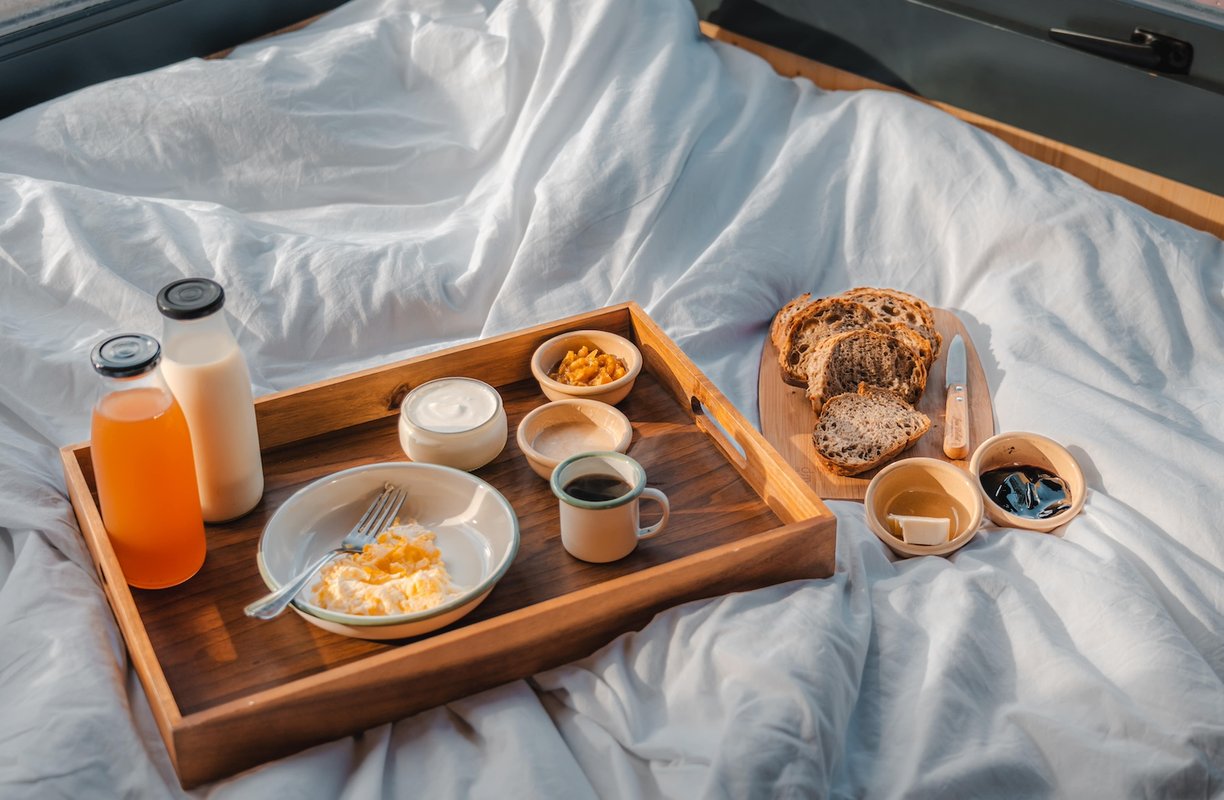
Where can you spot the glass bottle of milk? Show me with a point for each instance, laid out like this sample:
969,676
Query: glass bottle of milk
208,376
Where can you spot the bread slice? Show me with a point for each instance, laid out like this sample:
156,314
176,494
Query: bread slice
780,329
814,324
841,362
891,305
861,430
911,337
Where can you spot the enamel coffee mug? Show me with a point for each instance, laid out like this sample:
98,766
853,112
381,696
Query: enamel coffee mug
599,497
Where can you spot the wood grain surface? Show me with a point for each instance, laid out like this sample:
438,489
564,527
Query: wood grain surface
229,692
787,418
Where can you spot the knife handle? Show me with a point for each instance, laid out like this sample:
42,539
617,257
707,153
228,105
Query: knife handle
956,423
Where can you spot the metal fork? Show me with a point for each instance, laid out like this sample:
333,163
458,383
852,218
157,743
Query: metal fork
381,511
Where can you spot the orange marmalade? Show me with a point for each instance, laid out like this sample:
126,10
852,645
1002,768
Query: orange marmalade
588,367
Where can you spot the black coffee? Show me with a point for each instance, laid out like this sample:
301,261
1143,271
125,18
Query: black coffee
597,488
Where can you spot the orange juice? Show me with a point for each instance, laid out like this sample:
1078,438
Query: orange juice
146,480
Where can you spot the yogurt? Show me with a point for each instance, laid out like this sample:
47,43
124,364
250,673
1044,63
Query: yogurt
456,422
450,405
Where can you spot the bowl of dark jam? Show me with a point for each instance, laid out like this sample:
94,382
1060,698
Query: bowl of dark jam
1028,481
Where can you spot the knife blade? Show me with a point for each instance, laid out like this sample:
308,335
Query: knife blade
956,410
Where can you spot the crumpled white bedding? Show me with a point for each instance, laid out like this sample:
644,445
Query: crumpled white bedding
402,175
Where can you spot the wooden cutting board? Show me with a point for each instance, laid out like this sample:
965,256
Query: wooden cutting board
787,418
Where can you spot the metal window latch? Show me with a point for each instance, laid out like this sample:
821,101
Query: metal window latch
1145,49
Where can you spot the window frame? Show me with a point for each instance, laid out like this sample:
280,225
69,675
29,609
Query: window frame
123,37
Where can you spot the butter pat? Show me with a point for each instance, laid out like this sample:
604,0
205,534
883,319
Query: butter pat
922,530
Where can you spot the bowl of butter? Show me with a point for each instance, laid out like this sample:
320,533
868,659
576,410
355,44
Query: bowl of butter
453,540
923,507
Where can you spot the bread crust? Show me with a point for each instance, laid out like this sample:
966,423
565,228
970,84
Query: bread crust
779,329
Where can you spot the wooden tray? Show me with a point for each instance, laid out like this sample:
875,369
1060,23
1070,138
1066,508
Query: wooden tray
787,418
229,692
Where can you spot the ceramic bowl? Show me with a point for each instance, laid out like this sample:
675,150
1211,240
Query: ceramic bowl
453,440
549,354
477,532
1018,448
912,475
555,431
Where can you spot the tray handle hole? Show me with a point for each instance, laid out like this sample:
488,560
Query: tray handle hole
710,425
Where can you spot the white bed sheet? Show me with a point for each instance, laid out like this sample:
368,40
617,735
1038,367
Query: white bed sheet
400,176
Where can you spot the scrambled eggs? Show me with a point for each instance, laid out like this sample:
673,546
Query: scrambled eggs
398,573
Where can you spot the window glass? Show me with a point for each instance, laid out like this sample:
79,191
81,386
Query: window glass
1210,12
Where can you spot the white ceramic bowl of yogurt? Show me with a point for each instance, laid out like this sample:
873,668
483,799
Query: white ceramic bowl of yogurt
555,431
455,422
476,531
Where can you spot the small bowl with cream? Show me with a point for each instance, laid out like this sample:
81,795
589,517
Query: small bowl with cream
923,507
555,431
455,422
590,364
454,539
1028,481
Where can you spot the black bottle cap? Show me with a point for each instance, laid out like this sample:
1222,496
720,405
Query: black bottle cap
190,298
126,355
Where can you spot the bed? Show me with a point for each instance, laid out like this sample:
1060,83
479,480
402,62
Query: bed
400,176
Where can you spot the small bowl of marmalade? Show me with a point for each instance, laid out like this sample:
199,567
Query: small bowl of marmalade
591,364
1028,481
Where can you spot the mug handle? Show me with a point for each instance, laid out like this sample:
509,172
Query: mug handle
660,498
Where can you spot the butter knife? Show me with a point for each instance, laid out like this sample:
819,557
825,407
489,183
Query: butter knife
956,412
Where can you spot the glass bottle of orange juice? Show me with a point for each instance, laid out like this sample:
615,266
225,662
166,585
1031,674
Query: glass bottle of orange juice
143,467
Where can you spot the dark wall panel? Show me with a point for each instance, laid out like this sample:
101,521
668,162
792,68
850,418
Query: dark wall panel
1008,68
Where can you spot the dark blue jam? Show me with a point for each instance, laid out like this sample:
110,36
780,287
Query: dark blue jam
1029,492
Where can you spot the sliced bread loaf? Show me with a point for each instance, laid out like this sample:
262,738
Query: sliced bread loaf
815,323
841,362
860,430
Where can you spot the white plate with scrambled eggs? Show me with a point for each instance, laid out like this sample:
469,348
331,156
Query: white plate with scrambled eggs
454,538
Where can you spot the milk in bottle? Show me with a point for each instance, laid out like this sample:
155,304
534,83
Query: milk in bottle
208,376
